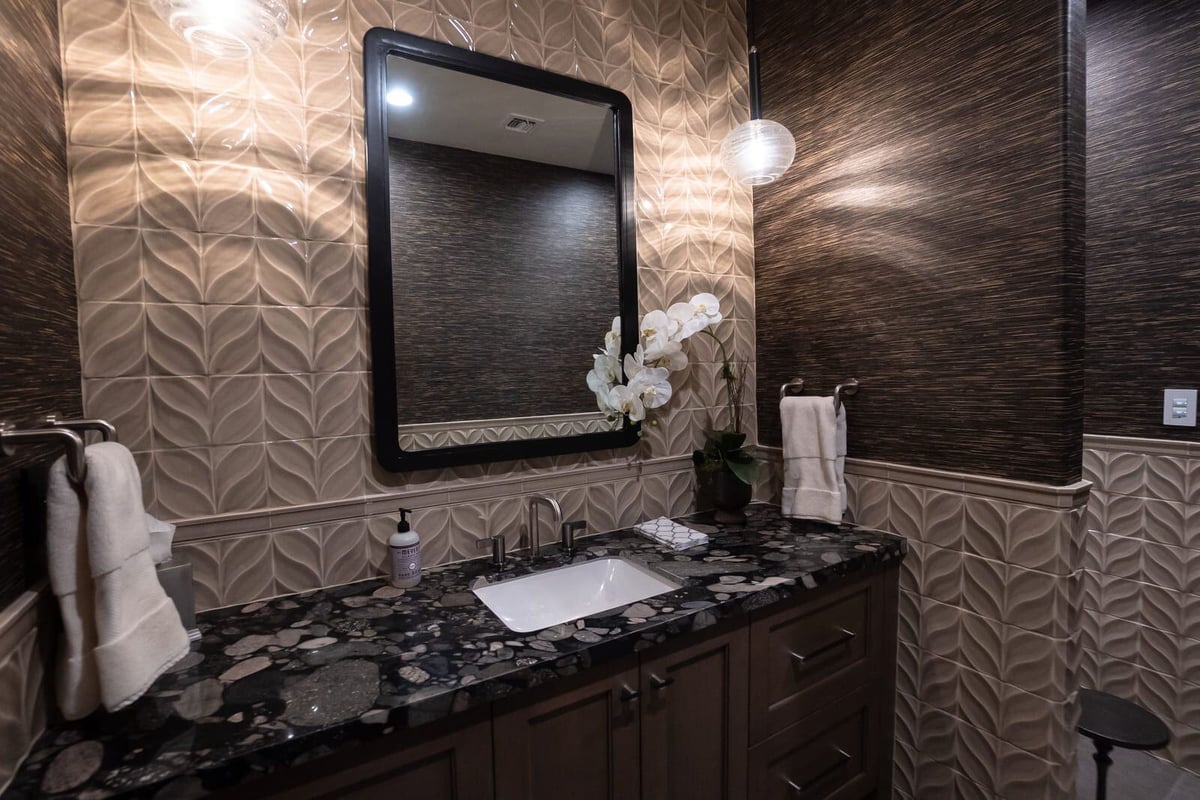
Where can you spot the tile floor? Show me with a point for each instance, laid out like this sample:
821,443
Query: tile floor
1135,776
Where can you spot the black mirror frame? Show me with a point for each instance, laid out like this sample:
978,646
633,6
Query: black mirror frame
378,44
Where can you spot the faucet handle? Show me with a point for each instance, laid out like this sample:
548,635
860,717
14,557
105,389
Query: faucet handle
569,529
499,556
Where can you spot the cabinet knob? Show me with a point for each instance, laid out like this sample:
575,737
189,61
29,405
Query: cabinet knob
660,683
629,695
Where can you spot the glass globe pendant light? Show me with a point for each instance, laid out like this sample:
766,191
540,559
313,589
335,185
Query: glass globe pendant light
237,29
759,151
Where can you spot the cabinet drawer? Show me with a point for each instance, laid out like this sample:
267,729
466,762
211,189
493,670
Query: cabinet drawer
810,654
827,756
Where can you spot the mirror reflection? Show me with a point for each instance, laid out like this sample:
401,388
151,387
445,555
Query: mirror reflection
505,255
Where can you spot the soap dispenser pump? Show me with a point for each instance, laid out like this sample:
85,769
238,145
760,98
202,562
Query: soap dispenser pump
404,547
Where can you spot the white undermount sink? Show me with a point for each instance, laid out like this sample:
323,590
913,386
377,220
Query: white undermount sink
542,599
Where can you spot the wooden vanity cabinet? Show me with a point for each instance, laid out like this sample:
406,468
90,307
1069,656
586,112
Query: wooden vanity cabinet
579,742
694,718
448,760
795,701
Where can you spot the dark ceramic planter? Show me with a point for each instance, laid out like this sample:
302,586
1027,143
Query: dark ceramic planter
730,496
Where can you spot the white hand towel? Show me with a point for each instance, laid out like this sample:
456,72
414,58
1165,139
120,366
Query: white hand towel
120,629
814,458
671,533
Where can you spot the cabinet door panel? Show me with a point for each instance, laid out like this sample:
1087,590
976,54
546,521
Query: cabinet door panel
826,756
581,743
694,730
810,654
437,762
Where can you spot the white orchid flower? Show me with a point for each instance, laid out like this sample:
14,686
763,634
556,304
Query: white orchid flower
674,358
635,362
612,339
653,386
707,308
685,321
626,401
606,370
656,334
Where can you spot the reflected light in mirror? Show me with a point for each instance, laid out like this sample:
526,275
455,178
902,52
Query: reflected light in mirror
399,98
236,29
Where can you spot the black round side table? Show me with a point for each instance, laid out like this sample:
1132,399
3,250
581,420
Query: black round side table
1112,722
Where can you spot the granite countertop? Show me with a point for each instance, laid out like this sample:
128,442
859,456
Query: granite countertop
285,680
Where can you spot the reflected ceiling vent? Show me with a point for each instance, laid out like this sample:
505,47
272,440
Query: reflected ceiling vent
518,124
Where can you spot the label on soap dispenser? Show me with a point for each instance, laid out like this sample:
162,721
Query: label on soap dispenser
406,563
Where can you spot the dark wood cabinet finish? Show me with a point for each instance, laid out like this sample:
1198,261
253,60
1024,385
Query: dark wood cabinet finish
450,761
694,706
580,743
830,755
810,655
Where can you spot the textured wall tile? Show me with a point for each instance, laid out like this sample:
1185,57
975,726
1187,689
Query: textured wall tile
234,344
297,559
184,482
292,472
22,711
339,463
169,193
226,199
181,413
104,186
225,126
112,337
287,339
125,402
288,407
240,477
175,339
229,270
282,271
171,266
237,409
107,263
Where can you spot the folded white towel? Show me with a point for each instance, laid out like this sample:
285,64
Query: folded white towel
671,533
120,630
814,458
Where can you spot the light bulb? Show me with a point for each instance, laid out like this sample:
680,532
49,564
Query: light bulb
226,28
399,98
757,152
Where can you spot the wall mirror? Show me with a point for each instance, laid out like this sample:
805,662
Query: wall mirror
501,246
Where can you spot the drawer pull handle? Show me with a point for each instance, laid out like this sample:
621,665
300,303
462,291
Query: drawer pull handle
660,683
845,637
843,760
629,695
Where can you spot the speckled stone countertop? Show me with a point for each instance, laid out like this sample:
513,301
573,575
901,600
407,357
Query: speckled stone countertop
277,682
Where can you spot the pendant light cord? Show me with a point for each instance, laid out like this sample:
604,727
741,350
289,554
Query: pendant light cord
755,91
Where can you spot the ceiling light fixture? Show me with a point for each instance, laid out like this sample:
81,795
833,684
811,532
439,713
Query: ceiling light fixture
237,29
759,151
399,98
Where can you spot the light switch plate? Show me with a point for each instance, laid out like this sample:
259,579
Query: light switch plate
1179,407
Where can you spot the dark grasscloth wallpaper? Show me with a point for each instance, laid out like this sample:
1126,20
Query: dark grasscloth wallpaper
39,340
505,282
1143,205
927,239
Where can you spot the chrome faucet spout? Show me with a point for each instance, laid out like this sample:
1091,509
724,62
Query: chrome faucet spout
535,535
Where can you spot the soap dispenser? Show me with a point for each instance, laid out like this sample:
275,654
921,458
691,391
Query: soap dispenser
404,547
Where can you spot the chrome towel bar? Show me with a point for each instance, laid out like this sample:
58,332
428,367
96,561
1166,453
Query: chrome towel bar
848,388
68,433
